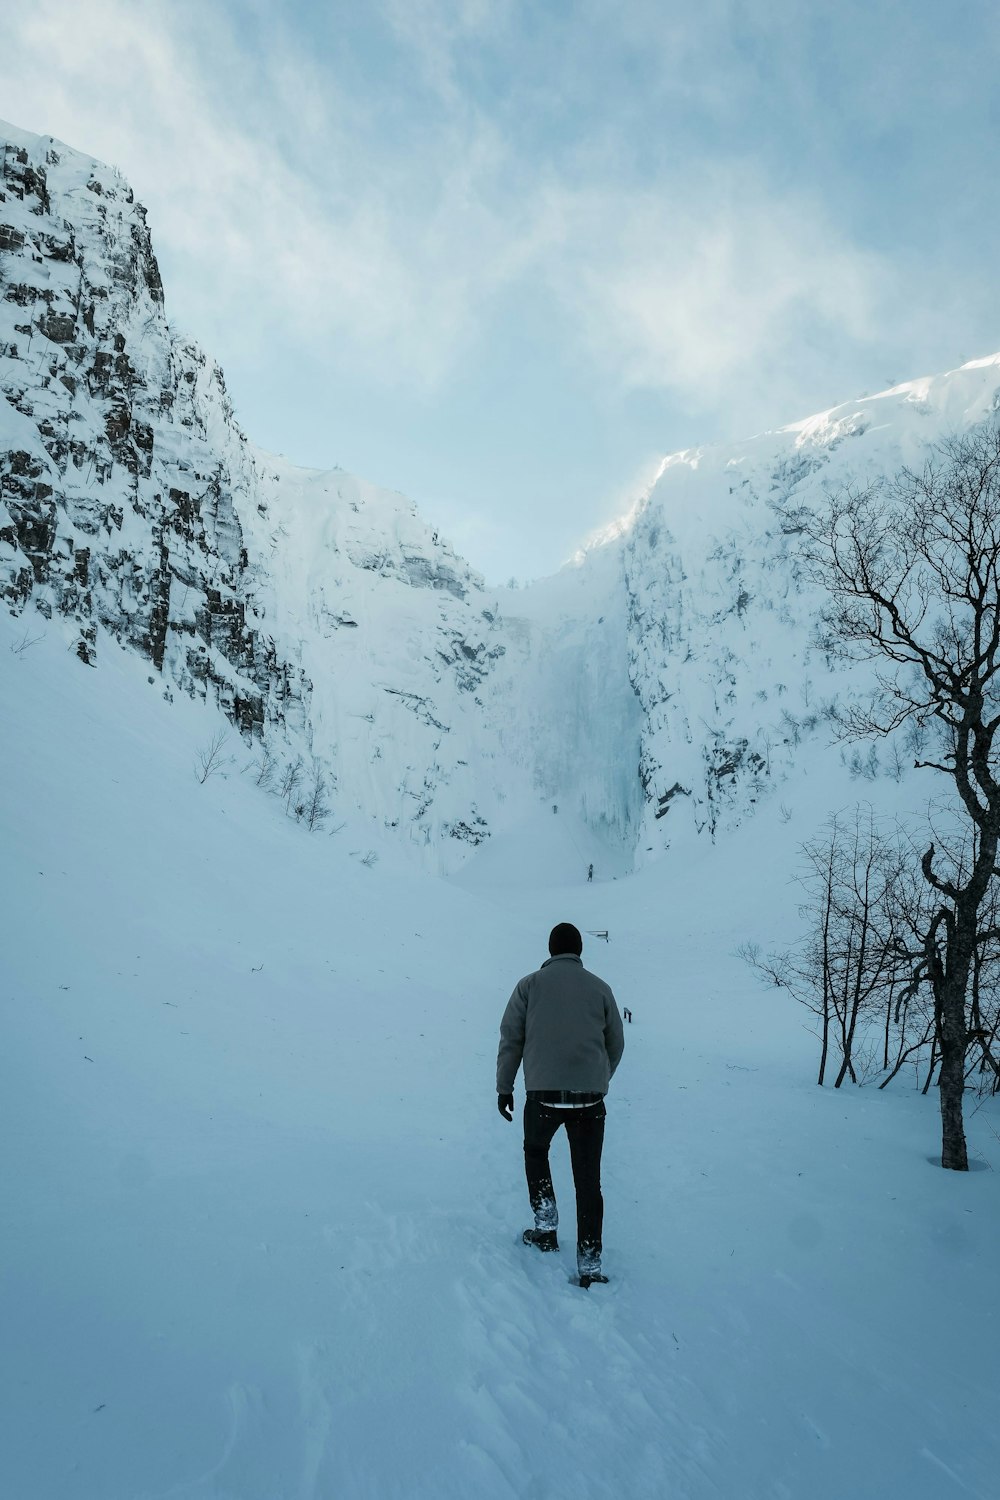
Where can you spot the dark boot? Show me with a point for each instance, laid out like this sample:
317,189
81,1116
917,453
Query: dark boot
588,1262
542,1239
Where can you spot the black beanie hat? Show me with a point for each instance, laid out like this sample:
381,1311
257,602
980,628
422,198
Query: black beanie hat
565,938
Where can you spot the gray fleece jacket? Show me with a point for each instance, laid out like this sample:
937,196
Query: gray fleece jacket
563,1023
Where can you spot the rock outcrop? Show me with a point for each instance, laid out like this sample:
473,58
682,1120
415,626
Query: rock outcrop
118,486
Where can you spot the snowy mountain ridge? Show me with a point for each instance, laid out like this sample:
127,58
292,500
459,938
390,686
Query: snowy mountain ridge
657,688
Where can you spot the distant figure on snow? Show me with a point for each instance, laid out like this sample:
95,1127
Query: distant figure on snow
590,873
562,1022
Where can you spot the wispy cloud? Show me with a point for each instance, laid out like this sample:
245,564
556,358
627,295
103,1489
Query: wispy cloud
716,282
264,192
279,199
381,197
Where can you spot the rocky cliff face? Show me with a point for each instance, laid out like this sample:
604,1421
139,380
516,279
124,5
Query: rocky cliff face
662,685
119,479
131,504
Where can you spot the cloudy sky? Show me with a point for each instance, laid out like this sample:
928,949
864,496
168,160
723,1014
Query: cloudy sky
504,254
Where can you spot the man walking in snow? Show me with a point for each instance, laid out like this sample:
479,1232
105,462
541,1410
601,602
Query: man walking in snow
562,1022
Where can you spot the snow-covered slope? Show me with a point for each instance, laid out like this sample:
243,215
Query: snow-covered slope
261,1219
260,1216
658,690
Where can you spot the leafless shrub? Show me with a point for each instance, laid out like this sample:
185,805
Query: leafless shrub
18,648
210,761
264,770
317,805
864,766
289,784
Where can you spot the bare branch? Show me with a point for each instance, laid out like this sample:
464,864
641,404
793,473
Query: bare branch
210,761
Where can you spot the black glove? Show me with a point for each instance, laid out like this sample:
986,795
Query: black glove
505,1104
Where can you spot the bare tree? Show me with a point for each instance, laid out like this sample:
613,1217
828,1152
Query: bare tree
264,769
866,966
210,761
912,565
317,805
288,786
852,957
18,648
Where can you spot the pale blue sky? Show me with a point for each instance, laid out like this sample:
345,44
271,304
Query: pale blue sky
503,255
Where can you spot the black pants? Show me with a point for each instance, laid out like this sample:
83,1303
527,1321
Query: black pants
585,1128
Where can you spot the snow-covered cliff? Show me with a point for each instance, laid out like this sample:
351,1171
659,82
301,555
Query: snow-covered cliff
657,688
124,475
722,647
324,616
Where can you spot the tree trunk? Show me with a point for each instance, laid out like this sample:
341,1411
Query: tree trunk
961,951
951,1079
827,980
826,1040
951,1082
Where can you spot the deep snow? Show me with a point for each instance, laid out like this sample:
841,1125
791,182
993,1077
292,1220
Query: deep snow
261,1217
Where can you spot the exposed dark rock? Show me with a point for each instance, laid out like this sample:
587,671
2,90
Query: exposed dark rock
22,294
57,247
475,832
663,802
10,238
